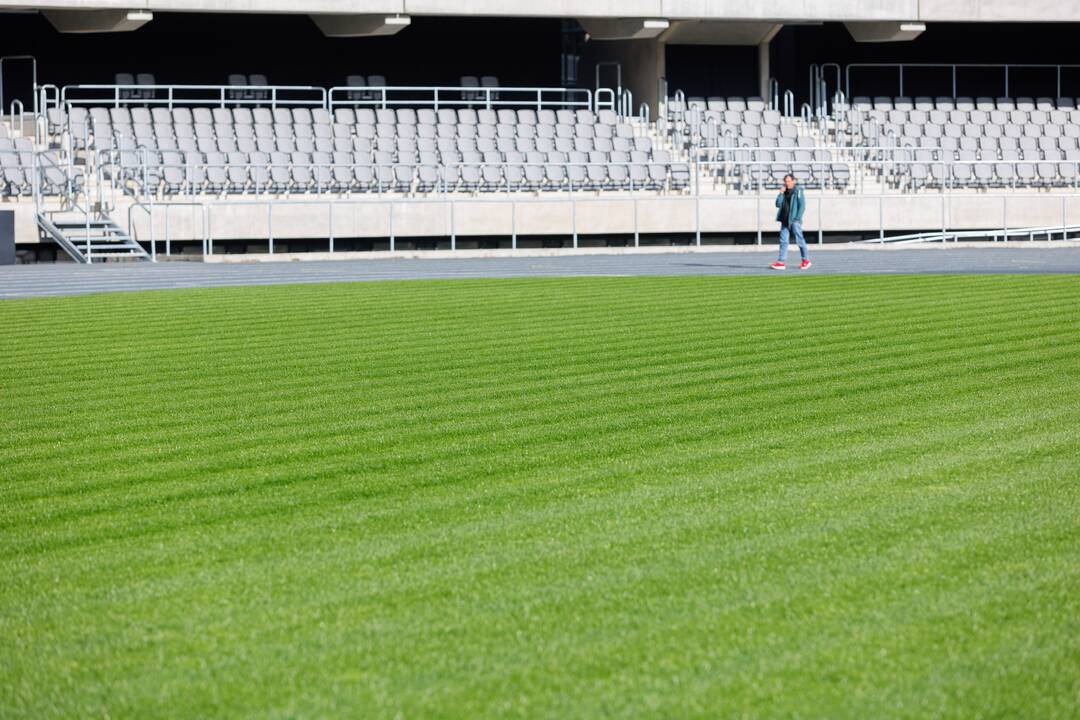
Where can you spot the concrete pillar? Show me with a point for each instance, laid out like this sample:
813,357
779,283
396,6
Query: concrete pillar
764,67
764,73
642,63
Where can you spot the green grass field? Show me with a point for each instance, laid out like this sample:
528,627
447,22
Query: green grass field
699,497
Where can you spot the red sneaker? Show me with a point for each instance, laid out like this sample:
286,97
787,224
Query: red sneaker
805,265
778,266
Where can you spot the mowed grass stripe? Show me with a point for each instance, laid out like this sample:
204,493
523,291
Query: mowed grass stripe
285,389
391,321
930,443
988,317
633,497
523,429
536,411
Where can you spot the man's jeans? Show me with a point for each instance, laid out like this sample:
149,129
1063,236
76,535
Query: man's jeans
786,231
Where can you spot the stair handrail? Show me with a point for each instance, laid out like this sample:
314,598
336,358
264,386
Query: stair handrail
150,220
22,114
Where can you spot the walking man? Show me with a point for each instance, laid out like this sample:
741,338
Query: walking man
790,207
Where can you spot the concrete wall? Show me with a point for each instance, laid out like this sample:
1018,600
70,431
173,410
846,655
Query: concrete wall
791,11
596,215
611,214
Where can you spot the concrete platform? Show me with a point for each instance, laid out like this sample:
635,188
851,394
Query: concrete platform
25,281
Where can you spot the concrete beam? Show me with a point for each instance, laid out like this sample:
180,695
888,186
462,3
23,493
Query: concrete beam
877,32
98,21
624,28
718,32
729,10
361,25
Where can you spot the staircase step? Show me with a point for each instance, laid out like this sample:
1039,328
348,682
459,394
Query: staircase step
96,239
109,246
82,223
130,256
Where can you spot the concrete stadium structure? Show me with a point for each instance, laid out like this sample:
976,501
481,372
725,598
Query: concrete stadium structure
618,153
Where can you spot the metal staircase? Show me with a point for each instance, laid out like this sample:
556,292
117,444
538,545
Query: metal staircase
89,237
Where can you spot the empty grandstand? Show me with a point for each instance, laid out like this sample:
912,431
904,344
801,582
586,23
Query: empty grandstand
229,161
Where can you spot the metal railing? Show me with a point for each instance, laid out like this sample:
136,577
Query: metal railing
953,69
1066,232
461,97
169,96
819,87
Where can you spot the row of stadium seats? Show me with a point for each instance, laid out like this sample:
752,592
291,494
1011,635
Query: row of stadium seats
966,104
918,168
1003,142
299,172
344,122
965,117
311,116
18,171
302,149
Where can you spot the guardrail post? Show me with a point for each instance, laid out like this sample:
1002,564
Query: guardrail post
757,214
393,243
153,235
633,201
1005,218
270,226
943,220
573,215
330,222
881,218
820,222
697,201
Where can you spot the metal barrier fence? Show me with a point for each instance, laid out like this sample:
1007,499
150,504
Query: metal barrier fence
953,70
461,97
192,95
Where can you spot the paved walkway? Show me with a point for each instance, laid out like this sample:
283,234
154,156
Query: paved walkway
22,281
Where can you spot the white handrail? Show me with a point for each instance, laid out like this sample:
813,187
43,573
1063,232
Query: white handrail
186,95
452,96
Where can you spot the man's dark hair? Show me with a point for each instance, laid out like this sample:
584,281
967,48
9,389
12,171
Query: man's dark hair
789,175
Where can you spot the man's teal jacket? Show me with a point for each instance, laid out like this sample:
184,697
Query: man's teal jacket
798,205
